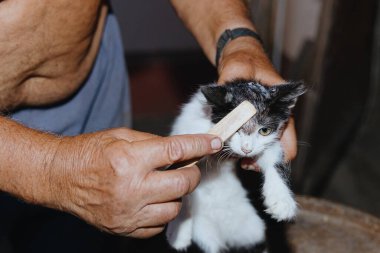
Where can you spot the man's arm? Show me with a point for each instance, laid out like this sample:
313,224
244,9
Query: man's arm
207,19
111,179
24,158
243,57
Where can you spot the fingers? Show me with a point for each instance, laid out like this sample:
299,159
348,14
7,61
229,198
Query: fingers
132,135
289,141
154,217
162,186
168,185
143,233
159,152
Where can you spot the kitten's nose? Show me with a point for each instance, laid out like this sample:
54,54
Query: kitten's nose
246,150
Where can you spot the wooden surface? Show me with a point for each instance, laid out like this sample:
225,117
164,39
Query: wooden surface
324,226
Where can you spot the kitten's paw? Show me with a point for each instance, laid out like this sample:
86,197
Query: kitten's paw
180,244
179,235
281,207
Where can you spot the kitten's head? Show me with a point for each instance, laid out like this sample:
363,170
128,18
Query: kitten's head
273,104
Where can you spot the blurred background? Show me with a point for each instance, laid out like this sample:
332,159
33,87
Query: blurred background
333,45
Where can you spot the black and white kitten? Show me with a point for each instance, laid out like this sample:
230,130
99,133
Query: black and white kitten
218,215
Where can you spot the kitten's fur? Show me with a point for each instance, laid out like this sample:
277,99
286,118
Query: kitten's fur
218,215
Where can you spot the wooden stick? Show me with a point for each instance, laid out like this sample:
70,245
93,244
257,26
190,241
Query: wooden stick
227,126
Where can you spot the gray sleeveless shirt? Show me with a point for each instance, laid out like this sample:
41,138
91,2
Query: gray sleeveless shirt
102,102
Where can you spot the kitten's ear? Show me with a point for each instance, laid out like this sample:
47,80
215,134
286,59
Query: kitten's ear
287,94
215,94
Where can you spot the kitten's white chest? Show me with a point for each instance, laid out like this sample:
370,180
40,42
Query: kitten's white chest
219,213
219,184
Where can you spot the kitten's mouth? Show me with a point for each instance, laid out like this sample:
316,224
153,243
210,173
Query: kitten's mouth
249,164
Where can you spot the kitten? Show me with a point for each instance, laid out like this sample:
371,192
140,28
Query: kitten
218,216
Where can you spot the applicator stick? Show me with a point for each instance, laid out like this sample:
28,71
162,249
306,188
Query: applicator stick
227,126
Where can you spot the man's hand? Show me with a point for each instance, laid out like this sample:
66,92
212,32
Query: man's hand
242,57
245,58
112,179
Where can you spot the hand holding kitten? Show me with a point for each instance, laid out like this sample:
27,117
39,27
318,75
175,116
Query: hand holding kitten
244,58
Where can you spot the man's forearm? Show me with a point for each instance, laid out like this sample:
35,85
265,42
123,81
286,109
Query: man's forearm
24,156
243,57
207,19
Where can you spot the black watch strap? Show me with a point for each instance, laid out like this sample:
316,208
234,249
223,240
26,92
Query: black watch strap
229,35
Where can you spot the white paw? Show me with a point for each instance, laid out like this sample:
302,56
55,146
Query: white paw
281,207
180,244
179,235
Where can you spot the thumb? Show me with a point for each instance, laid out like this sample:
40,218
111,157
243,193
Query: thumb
162,151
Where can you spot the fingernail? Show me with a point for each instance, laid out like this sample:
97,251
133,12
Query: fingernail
216,144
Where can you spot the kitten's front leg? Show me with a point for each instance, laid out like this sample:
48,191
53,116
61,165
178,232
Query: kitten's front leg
179,231
278,198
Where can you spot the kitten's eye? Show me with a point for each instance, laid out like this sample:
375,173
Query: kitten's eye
265,131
